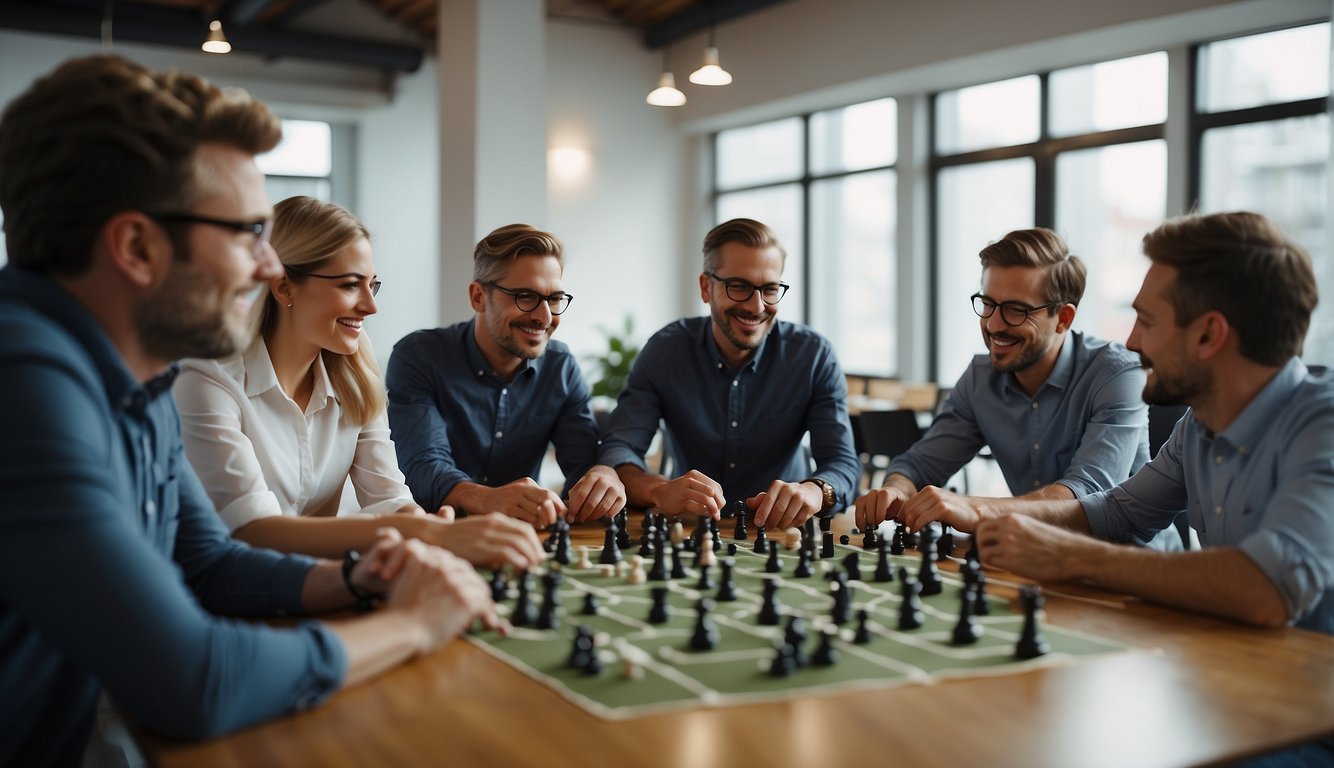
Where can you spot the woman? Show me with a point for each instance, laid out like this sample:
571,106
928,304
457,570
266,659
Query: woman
276,432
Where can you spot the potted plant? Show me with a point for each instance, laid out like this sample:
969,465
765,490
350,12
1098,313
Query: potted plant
612,368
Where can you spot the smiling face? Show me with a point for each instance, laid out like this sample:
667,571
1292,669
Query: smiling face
328,313
1173,376
506,334
1019,348
739,327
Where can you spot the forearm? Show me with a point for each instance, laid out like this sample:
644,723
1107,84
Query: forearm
1219,581
900,482
327,537
379,642
471,498
1053,492
324,589
1064,513
641,488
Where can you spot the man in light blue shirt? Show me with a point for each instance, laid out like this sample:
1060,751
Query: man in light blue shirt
737,390
1060,410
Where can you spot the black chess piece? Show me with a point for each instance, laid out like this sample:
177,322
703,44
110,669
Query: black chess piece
770,609
896,545
910,605
967,631
562,551
547,617
826,655
981,606
775,564
863,634
727,587
549,543
522,616
678,567
717,537
843,539
731,549
661,612
761,543
841,591
705,581
784,663
706,632
1031,643
826,544
928,575
582,647
803,569
623,539
852,567
658,571
590,604
868,539
611,553
945,544
499,587
739,532
883,570
646,540
795,635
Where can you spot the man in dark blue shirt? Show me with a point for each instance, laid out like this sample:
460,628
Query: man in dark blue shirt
136,224
473,407
738,391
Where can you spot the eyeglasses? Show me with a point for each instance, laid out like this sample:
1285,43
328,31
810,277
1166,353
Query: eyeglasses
261,228
355,277
527,300
1012,312
740,290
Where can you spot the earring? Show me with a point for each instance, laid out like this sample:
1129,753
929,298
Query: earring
289,305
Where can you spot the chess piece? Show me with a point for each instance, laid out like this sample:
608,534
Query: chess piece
660,613
706,632
770,609
717,537
499,587
868,539
582,648
851,566
803,569
727,587
775,564
623,539
896,544
678,567
1031,643
658,571
928,575
739,530
863,634
910,605
583,561
611,553
795,635
981,606
825,654
705,582
590,604
839,589
636,574
967,631
562,552
883,571
784,663
522,616
547,617
826,544
945,544
761,543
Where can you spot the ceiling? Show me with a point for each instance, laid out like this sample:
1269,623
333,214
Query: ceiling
392,35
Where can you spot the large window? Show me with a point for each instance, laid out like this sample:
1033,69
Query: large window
302,164
826,184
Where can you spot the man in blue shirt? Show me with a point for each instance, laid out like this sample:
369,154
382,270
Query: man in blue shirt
738,391
1060,410
473,407
136,226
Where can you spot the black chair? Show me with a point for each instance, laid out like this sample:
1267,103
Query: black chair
882,435
1162,420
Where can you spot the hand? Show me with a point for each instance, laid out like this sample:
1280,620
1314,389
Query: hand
446,512
598,494
441,592
525,500
1029,547
694,493
490,541
786,505
877,506
931,504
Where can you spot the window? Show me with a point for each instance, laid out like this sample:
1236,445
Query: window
302,163
826,184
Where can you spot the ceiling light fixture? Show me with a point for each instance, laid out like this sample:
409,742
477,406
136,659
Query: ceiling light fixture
216,42
710,72
666,94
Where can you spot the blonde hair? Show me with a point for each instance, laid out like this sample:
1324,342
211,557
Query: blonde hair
306,234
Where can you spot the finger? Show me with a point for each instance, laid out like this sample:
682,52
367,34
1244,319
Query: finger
764,508
579,499
445,511
599,504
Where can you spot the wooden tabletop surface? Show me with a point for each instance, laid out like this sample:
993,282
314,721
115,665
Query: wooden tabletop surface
1191,690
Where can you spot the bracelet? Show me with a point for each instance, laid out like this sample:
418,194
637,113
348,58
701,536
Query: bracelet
365,600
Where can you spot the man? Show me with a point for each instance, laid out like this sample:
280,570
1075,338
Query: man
136,225
737,390
1059,409
473,407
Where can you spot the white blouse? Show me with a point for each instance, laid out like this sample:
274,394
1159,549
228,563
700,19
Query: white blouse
258,455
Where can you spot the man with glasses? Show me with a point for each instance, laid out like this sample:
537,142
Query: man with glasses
738,391
473,406
1060,410
136,224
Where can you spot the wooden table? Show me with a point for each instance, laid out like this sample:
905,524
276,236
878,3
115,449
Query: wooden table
1192,690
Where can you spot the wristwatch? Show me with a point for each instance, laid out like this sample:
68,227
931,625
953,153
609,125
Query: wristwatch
827,492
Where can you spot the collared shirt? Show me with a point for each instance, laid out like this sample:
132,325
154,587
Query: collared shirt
113,562
742,428
455,420
1265,485
259,455
1086,427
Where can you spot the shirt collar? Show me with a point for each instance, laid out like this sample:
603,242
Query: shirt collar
477,361
1061,373
260,376
1257,417
710,346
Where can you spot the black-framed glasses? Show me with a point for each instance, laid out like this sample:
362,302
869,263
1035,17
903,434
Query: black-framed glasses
356,277
741,290
260,228
527,300
1012,312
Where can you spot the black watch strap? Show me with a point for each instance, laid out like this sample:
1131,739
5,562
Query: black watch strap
365,600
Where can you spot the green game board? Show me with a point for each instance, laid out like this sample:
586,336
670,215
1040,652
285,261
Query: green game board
675,677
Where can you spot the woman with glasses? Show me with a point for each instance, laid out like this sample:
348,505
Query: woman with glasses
276,433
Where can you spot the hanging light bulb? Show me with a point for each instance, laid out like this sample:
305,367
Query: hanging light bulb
666,94
216,42
710,72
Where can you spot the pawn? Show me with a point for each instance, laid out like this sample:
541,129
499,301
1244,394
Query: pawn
623,539
590,604
852,567
678,567
499,587
868,539
981,606
841,611
522,615
945,544
803,569
739,532
706,558
761,543
677,534
826,655
967,631
928,575
927,538
883,571
706,633
658,571
717,537
896,544
795,636
910,605
785,660
549,543
863,634
731,549
1031,643
660,613
770,609
727,587
775,564
611,553
581,650
562,551
636,573
705,581
646,541
583,561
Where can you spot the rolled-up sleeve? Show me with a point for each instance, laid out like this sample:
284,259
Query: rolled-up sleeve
1116,432
376,478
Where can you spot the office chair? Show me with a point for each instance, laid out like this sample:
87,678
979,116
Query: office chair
1162,420
884,435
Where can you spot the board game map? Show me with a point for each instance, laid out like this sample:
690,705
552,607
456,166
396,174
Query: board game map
644,667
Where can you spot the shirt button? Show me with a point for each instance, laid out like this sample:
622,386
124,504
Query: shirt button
1218,510
504,391
1035,406
499,435
1218,459
1037,483
150,508
731,465
734,424
720,366
735,382
485,479
1036,446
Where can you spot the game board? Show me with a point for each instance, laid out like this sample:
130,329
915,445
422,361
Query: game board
647,667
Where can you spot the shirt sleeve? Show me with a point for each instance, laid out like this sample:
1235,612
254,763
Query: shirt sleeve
1146,503
1117,429
375,474
831,431
575,436
638,412
80,571
420,432
951,442
210,406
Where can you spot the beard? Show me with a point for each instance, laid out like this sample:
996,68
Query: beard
177,322
1026,353
1175,390
722,321
508,342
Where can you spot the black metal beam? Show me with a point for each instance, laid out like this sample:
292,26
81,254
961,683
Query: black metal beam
698,17
243,12
186,29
